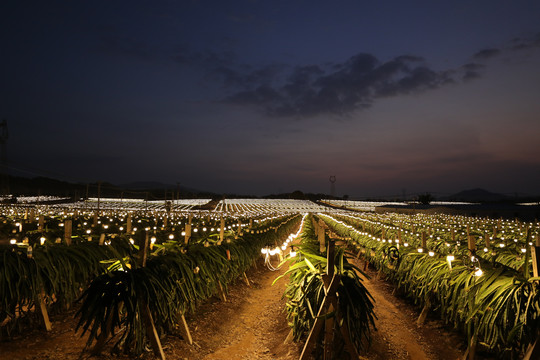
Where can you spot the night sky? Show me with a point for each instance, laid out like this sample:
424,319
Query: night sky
260,97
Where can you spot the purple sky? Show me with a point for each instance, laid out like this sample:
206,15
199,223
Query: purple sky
260,97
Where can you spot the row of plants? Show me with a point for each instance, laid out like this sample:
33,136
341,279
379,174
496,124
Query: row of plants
305,293
38,266
495,305
174,280
501,241
53,273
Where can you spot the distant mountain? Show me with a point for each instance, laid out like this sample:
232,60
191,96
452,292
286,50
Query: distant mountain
476,195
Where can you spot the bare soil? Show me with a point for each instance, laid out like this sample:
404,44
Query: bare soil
251,324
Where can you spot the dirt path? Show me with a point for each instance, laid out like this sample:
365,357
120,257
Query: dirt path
252,325
398,336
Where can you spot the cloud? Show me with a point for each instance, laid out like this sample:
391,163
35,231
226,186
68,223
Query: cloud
308,90
340,89
525,42
486,54
472,71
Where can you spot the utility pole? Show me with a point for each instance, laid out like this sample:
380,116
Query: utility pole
333,185
4,135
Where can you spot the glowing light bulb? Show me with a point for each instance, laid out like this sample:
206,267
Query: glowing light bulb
450,258
420,250
478,272
431,253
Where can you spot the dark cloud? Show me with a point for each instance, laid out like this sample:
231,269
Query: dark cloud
339,89
486,54
525,42
472,71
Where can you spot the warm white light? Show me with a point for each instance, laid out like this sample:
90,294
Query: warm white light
292,254
88,231
171,236
42,240
450,258
478,272
523,250
420,250
264,251
431,253
13,241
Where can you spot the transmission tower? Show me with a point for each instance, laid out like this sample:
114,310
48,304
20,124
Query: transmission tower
333,185
3,157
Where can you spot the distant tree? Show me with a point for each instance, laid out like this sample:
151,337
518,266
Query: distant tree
425,199
298,195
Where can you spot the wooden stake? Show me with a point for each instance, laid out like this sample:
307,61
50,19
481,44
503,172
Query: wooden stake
423,315
533,351
43,309
535,255
67,231
128,224
472,244
185,330
246,280
41,223
321,235
143,251
152,332
187,231
221,292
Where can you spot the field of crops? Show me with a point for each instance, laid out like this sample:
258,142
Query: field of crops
133,269
479,275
